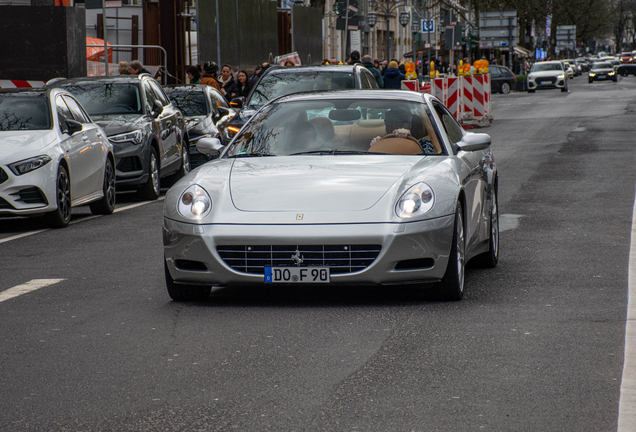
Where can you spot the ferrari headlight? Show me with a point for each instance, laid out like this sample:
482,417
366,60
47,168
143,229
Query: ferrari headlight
416,201
194,203
28,165
134,136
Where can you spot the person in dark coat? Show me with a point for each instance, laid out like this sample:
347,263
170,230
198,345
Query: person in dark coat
393,77
367,63
242,84
354,57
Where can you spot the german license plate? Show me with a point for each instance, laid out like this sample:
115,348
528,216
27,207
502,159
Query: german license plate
297,275
545,83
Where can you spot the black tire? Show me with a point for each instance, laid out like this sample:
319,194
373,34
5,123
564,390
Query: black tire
61,216
451,287
178,292
615,79
151,190
564,89
490,258
185,159
106,205
590,81
624,73
505,88
530,91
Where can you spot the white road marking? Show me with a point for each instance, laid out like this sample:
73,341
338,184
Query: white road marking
28,287
579,129
627,401
87,218
508,222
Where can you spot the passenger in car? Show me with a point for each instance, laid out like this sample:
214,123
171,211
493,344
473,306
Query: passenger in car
403,131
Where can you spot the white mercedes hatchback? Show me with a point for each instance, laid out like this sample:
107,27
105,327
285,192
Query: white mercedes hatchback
52,157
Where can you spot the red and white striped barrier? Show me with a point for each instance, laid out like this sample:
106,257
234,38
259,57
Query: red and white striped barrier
479,109
487,93
453,97
412,85
438,89
467,95
5,84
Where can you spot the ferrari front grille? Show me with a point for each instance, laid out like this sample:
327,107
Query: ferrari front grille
340,259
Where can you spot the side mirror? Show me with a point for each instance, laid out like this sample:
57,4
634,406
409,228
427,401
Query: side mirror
474,141
73,126
237,102
223,111
210,146
157,109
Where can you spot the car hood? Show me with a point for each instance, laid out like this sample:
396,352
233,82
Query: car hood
119,123
18,145
542,74
314,183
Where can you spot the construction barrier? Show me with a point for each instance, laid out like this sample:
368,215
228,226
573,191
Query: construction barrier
5,84
410,85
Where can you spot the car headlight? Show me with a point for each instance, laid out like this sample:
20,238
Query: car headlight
611,73
592,74
194,203
416,201
28,165
561,77
134,136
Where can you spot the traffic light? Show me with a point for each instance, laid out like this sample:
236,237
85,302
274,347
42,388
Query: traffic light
464,40
472,41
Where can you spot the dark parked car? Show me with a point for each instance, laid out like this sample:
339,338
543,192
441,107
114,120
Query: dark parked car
626,69
277,82
206,112
148,132
502,79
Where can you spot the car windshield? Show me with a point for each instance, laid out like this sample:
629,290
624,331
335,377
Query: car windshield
191,103
541,67
24,113
280,84
597,66
107,98
339,127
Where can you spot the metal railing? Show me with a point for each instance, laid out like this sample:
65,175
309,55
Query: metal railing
164,72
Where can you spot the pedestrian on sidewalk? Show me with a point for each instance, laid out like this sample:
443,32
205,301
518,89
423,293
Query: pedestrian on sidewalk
210,70
228,84
194,74
366,62
393,77
242,84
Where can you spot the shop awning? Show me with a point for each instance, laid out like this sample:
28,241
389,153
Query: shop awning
522,52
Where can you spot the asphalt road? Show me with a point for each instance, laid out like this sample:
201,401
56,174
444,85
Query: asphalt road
537,343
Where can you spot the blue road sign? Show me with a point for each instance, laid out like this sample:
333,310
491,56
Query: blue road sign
428,26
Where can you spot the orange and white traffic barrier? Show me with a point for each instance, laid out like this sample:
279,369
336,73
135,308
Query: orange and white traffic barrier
5,84
467,95
487,93
453,99
438,88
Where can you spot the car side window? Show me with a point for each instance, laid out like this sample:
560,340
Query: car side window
218,99
452,128
150,96
76,109
364,81
159,93
494,71
63,113
214,108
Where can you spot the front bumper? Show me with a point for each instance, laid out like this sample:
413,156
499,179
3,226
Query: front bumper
131,162
604,77
546,83
426,241
30,193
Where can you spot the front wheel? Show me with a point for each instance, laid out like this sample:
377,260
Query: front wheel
150,191
564,90
178,292
505,88
61,216
491,257
590,81
185,159
451,286
530,91
106,205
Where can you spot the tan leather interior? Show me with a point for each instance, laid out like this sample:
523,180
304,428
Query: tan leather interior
397,146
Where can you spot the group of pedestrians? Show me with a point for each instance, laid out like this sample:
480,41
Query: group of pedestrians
226,83
388,77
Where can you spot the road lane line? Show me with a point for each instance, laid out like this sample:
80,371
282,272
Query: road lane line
28,287
30,233
627,401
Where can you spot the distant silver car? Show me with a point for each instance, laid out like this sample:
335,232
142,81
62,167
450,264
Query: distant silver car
547,75
348,187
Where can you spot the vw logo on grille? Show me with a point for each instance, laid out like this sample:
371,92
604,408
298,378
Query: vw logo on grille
297,258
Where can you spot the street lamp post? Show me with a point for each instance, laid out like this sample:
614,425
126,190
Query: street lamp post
415,29
387,7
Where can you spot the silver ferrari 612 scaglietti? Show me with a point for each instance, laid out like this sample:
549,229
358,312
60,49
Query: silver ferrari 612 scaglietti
372,187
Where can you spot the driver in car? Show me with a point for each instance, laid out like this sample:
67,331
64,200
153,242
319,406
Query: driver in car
399,124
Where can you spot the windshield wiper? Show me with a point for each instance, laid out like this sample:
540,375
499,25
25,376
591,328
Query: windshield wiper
241,155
